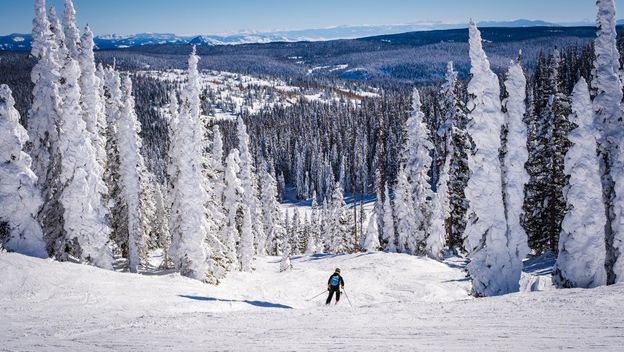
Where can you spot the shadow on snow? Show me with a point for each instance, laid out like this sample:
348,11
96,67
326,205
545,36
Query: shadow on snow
261,304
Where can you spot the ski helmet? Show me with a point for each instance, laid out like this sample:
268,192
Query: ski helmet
337,270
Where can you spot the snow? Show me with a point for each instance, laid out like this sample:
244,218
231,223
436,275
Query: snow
253,93
491,255
20,200
514,172
581,260
607,84
425,302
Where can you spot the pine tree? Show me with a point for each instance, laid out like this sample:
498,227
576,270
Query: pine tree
389,234
285,262
440,210
72,34
409,236
516,155
544,206
582,254
86,229
129,144
249,182
91,101
341,223
271,218
607,86
418,164
454,111
43,119
20,199
246,246
370,242
486,232
189,223
232,202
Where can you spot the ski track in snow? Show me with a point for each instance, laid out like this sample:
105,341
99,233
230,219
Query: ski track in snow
400,303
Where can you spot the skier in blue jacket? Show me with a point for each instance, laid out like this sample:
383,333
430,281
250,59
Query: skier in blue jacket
334,284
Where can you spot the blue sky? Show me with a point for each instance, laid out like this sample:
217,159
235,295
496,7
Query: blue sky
227,16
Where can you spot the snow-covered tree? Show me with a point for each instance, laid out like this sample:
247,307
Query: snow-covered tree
545,206
295,233
43,119
232,202
440,210
389,234
246,245
162,225
370,242
72,34
84,222
454,111
341,223
217,158
249,182
20,199
129,145
92,99
418,162
189,223
285,262
59,36
582,254
515,176
409,235
607,85
490,264
312,242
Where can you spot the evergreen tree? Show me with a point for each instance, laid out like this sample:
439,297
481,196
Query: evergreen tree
582,254
72,34
486,232
20,199
454,111
515,176
341,223
92,102
389,234
417,166
43,120
188,197
129,144
271,219
249,182
370,241
232,202
86,230
607,86
544,206
409,236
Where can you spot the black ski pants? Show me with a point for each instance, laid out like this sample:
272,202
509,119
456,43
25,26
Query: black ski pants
333,289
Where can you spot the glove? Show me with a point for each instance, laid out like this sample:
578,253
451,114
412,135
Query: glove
327,287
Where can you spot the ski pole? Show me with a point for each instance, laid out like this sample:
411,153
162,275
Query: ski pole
316,296
346,295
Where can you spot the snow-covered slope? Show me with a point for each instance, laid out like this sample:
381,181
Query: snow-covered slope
400,302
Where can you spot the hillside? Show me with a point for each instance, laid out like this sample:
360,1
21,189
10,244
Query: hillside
48,305
414,56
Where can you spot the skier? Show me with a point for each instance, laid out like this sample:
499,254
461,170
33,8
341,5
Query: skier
334,284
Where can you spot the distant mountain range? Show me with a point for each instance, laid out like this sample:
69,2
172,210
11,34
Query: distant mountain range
21,42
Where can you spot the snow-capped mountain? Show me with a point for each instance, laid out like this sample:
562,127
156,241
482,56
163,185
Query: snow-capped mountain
21,42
